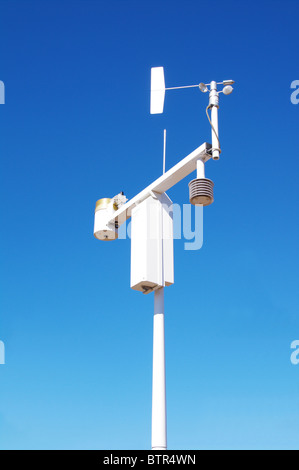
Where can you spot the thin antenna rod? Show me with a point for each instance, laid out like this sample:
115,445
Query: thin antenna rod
164,152
180,87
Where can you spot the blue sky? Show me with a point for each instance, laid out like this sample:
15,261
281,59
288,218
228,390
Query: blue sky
76,127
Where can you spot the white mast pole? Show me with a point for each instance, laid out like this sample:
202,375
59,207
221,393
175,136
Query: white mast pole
200,169
214,105
164,152
159,432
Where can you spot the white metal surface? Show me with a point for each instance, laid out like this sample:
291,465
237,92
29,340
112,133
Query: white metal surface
214,103
159,433
164,151
157,90
164,182
152,244
146,246
103,230
167,239
215,142
200,167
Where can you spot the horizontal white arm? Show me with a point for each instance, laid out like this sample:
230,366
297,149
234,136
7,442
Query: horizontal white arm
165,182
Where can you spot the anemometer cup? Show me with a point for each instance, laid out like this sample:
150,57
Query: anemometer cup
201,192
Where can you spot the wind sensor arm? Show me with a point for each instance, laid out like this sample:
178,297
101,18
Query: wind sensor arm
158,97
108,218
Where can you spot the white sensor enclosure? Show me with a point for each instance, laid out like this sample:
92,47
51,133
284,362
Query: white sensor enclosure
103,230
152,244
157,90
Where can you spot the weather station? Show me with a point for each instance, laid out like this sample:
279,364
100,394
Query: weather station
152,266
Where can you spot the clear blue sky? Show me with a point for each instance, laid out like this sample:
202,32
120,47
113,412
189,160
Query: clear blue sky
76,127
